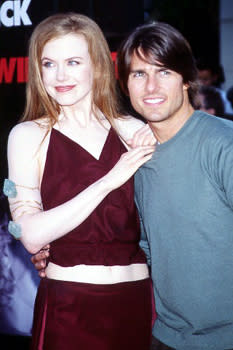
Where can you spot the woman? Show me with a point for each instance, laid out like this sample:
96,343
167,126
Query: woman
74,189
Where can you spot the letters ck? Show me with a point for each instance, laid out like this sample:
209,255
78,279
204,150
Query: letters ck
14,13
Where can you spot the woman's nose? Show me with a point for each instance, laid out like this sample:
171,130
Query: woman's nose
61,73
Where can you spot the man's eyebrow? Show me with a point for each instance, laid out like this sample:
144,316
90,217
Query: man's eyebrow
137,70
142,70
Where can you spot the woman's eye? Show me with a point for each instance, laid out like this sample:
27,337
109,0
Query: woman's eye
73,62
47,64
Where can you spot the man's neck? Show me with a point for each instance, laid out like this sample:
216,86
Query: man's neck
165,130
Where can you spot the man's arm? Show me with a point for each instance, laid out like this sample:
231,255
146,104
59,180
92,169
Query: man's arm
144,244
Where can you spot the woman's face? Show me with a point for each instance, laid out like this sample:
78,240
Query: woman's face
67,70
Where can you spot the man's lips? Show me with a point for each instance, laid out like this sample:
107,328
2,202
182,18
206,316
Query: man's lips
64,88
152,101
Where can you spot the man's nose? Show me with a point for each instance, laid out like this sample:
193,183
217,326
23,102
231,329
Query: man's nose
152,83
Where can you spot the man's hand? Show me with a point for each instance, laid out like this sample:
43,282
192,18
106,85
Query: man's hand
39,260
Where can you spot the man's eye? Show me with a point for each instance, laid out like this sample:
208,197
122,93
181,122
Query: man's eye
138,74
165,72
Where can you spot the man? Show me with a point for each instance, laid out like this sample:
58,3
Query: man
184,193
211,101
212,74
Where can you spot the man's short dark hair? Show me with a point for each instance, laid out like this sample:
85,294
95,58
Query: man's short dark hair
159,43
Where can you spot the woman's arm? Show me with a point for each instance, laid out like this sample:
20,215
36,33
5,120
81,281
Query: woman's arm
39,227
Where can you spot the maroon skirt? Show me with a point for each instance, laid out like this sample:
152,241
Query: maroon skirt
84,316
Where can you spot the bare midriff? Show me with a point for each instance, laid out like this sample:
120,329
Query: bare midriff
98,274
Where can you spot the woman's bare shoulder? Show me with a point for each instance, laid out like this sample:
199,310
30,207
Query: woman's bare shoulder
29,132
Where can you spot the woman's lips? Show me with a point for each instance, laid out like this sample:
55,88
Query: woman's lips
64,88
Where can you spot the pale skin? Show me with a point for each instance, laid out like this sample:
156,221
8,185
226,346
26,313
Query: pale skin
67,75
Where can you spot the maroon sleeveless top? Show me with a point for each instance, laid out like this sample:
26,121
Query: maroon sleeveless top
110,235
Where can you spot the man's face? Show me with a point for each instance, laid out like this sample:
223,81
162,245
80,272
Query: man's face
206,77
155,92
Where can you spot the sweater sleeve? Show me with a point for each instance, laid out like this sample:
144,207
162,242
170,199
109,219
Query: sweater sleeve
144,243
220,161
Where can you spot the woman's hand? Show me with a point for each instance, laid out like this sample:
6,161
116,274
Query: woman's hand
127,165
142,137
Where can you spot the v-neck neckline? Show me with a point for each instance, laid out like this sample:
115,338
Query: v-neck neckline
77,144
